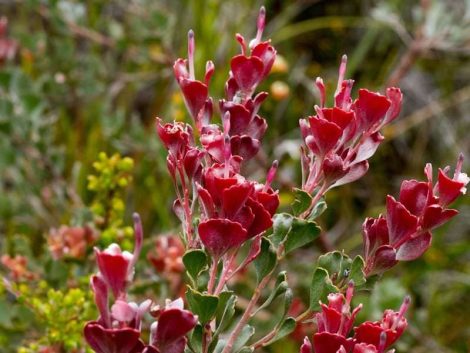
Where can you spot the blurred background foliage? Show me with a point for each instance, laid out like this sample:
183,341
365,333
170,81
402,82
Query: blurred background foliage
90,77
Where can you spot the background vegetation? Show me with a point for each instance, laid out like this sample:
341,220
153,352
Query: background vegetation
90,77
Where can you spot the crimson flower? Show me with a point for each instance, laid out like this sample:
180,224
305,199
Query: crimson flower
247,71
404,233
339,140
183,157
391,326
118,330
117,267
168,334
335,322
233,208
195,93
246,126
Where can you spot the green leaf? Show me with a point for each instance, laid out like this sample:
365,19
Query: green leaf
195,261
286,328
280,287
246,350
225,311
219,346
301,233
341,268
332,262
357,274
266,260
282,223
288,297
203,305
320,287
243,338
302,201
318,209
195,341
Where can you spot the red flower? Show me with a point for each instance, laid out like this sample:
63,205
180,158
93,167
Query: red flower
195,93
392,326
342,138
117,331
404,234
335,322
183,157
117,267
168,333
167,255
248,71
246,126
234,209
110,340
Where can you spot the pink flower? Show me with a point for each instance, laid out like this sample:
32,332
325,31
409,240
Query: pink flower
117,330
404,233
8,47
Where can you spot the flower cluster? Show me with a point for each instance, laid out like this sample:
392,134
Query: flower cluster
166,257
8,47
233,209
221,210
70,242
118,329
336,320
339,140
17,267
243,127
404,233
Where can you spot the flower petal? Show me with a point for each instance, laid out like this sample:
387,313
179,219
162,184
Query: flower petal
220,235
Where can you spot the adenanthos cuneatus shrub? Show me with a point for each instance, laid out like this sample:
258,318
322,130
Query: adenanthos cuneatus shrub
230,222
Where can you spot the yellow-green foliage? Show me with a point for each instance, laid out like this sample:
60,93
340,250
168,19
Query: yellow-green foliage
62,314
113,175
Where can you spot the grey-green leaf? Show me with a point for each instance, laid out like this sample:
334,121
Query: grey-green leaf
203,305
320,287
225,311
282,223
266,260
318,209
357,274
243,338
280,287
286,328
302,201
301,233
